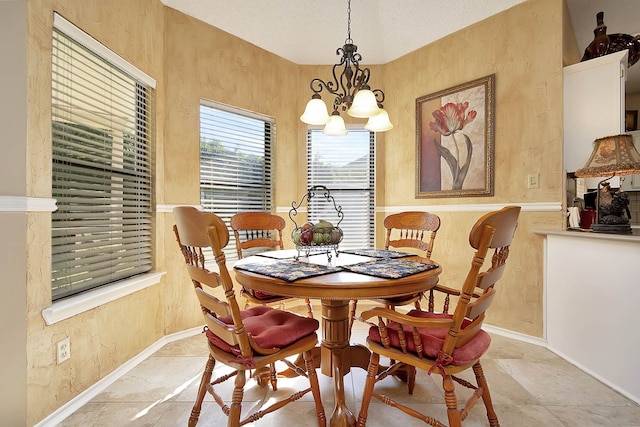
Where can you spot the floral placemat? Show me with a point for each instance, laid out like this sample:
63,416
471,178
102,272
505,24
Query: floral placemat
377,253
282,254
390,268
288,270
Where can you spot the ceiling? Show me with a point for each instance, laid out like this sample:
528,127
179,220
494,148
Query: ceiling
305,33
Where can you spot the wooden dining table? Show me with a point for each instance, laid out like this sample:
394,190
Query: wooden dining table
335,290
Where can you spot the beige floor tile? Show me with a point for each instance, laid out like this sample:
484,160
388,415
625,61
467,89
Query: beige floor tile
597,416
178,413
195,345
521,416
506,348
557,382
134,414
530,387
155,379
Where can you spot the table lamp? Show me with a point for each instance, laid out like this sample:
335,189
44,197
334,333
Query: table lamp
612,155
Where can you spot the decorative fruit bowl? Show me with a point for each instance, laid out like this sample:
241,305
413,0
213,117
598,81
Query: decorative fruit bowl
322,236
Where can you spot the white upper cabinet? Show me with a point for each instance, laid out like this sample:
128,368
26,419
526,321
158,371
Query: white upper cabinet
593,105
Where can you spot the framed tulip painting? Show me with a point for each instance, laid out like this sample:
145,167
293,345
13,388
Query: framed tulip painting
455,141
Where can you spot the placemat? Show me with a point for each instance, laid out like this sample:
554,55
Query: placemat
288,270
377,253
389,268
282,254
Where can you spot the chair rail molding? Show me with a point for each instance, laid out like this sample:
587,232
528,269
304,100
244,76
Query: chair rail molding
476,207
27,204
471,207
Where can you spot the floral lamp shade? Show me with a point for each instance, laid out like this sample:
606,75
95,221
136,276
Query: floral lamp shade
612,155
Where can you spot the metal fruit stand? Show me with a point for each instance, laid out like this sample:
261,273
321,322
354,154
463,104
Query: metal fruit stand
302,236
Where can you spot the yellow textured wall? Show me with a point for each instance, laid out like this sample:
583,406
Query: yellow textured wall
104,338
523,47
190,60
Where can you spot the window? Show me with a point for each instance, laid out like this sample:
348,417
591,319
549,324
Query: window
102,111
345,165
235,162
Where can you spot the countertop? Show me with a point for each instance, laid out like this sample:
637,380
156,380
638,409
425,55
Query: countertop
588,234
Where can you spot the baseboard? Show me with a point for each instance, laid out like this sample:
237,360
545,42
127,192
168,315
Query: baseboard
515,335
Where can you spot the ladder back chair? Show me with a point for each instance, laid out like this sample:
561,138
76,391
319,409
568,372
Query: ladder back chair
262,230
410,229
442,343
245,340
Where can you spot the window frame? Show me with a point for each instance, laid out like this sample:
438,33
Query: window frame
224,117
350,226
84,148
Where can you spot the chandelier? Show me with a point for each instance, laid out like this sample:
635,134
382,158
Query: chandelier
350,87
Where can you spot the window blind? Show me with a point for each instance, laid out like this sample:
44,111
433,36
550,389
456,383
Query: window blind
235,162
345,165
101,177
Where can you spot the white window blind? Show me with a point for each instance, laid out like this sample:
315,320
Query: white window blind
101,180
345,165
235,162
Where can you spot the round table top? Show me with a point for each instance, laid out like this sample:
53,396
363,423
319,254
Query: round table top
340,285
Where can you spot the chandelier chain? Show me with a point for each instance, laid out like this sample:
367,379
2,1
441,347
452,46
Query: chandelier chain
348,22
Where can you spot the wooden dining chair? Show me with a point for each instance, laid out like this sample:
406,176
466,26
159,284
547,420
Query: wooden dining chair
260,230
412,229
442,343
245,340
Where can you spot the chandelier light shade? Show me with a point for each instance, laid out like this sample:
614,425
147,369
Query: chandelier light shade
364,104
316,112
379,123
335,126
350,91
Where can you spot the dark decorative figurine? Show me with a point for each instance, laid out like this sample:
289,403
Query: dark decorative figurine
604,44
613,206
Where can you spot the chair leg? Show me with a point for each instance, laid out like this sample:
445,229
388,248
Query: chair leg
452,402
372,371
315,388
411,378
236,401
486,396
309,308
352,314
202,390
273,376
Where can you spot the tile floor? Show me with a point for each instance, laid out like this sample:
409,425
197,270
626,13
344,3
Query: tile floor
530,386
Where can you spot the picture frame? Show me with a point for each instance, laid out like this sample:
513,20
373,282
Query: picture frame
630,120
456,162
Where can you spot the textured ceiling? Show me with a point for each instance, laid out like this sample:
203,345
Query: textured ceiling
310,31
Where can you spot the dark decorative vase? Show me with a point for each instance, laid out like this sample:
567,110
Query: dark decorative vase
604,44
600,44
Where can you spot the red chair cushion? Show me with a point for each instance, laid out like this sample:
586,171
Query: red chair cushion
433,338
402,298
269,328
260,295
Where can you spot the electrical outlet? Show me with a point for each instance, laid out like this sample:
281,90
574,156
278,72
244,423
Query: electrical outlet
63,350
532,180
